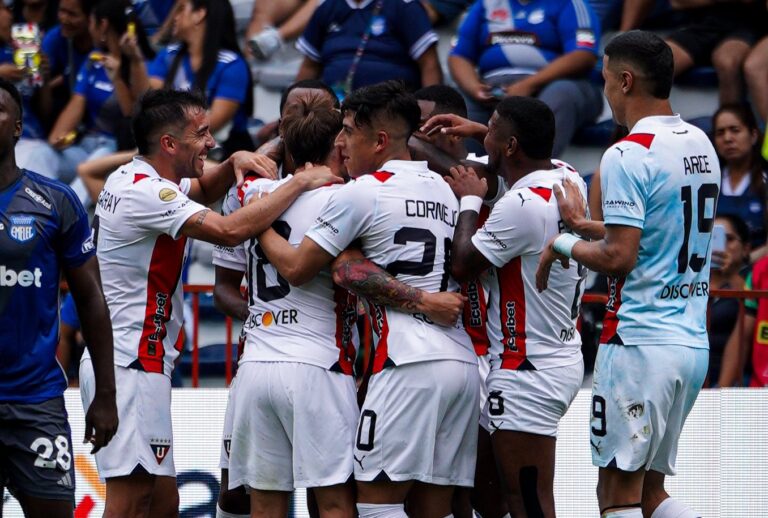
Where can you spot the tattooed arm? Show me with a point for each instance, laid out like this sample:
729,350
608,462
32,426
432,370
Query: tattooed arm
362,277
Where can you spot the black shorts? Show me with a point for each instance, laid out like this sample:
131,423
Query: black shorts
715,25
36,456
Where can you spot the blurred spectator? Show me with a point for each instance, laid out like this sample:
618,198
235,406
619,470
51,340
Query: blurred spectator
355,43
107,85
41,12
152,13
443,12
721,34
208,58
756,76
753,355
541,48
67,46
32,149
635,14
273,22
726,274
743,188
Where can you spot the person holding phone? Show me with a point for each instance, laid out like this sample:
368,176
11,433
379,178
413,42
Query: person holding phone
730,253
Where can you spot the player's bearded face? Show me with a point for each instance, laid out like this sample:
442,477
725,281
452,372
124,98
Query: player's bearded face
357,146
194,145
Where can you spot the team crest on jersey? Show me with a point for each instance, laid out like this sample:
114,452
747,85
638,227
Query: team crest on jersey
378,26
22,228
160,447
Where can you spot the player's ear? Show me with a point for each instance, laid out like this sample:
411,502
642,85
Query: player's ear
168,144
627,81
17,130
382,140
511,147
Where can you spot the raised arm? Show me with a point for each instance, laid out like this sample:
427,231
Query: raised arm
218,179
359,275
255,217
466,260
572,210
615,255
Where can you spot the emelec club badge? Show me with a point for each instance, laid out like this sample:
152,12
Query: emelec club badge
22,228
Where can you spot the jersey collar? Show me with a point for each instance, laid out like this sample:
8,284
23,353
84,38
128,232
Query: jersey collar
649,124
402,166
546,178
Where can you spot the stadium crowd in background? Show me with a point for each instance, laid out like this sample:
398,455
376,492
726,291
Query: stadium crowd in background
145,108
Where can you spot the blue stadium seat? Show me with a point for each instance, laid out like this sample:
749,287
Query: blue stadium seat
211,360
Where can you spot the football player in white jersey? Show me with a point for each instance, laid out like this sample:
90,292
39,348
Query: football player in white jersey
536,362
143,217
659,190
230,265
417,430
485,497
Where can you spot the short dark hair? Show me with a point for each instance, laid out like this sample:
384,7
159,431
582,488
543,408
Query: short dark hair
309,130
739,225
14,93
310,84
532,122
446,99
389,98
650,55
159,110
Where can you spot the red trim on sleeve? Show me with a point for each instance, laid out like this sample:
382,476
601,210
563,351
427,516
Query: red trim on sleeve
139,177
644,139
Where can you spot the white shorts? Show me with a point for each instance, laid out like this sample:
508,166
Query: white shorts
641,396
226,433
145,434
419,422
484,367
293,426
530,401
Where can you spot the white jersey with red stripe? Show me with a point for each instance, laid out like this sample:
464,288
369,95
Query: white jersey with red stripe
138,221
528,329
663,178
313,323
404,216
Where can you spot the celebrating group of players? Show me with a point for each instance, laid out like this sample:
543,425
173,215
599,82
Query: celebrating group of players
398,237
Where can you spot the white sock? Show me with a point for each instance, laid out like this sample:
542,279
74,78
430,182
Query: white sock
671,508
220,513
635,512
381,511
449,516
